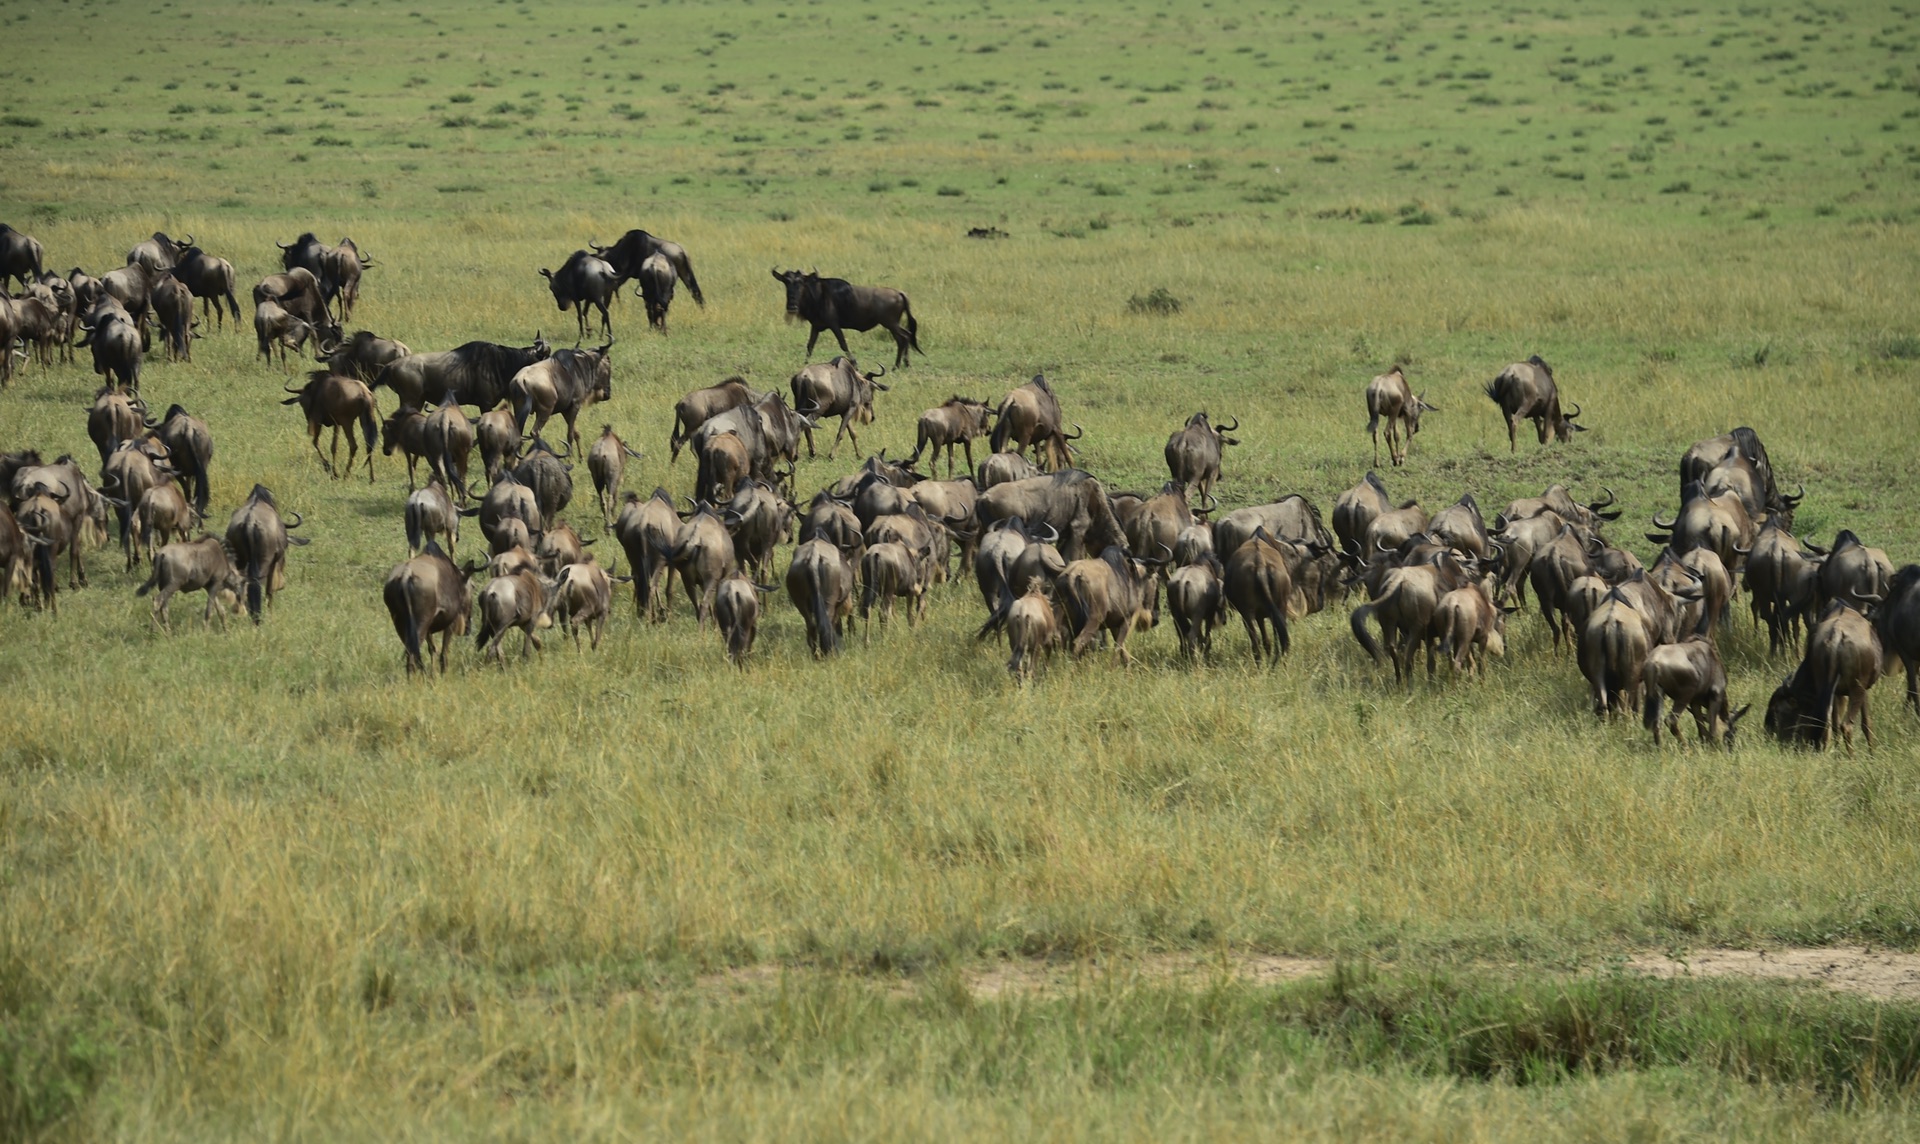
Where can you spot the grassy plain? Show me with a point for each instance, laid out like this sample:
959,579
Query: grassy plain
255,883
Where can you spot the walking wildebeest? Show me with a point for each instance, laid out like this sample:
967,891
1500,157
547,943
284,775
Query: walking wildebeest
476,373
1030,417
1033,630
1896,620
362,356
259,540
189,566
20,255
820,583
606,462
585,279
1115,592
736,611
173,307
1197,597
449,443
158,253
957,421
1525,391
1613,654
647,530
518,600
630,254
1390,397
566,383
329,400
1843,661
1690,674
1258,586
209,279
430,513
276,328
837,389
703,405
1193,453
426,594
838,305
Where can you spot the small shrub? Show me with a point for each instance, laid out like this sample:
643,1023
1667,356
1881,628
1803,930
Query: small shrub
20,120
1679,188
1904,347
1159,300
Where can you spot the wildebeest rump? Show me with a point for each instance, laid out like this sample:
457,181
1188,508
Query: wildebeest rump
634,248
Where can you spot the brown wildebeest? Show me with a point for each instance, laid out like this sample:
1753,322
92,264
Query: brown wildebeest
173,307
1554,568
1525,391
209,279
542,470
956,421
1029,417
1197,597
736,611
1003,468
1853,572
887,570
20,255
430,513
1460,527
15,578
159,252
189,566
1033,630
1843,661
583,595
340,269
657,277
558,547
1394,527
126,475
820,583
1259,587
1613,654
759,520
499,441
449,443
703,554
1000,547
1193,453
1472,626
337,402
1354,512
82,509
606,462
1390,397
507,499
837,389
838,305
276,328
189,450
703,405
259,540
43,522
363,356
1782,583
647,529
567,383
163,511
404,429
1896,620
1691,675
1720,524
427,594
1115,592
725,463
518,600
1405,606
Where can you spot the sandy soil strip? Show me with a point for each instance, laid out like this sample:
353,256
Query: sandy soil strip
1885,974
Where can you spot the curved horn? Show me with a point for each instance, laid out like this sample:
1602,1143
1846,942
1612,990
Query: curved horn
1600,504
1076,434
298,520
283,245
1796,498
292,390
1666,524
1576,411
1053,534
1233,428
1212,502
188,241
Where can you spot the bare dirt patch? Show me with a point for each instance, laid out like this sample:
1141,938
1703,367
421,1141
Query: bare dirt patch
1886,974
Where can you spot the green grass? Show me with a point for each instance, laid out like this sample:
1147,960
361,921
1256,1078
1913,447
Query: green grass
257,883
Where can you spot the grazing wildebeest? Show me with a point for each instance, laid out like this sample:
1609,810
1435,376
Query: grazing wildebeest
430,513
1033,630
606,462
499,441
838,305
1844,659
426,594
276,328
1196,595
1525,391
585,279
1030,417
736,611
159,252
332,401
449,442
703,405
1193,453
1258,586
630,254
656,289
820,583
363,356
1354,512
1071,502
173,308
1115,592
647,530
20,255
565,383
957,421
1691,675
259,540
476,373
1390,397
836,389
189,566
1896,620
209,279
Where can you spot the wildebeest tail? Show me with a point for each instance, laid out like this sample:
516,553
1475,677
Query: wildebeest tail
152,582
1361,632
1650,713
369,429
232,304
823,620
685,270
1493,389
414,527
256,576
1002,430
1276,605
913,326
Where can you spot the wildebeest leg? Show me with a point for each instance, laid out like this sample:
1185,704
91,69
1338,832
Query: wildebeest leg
1513,428
840,336
1913,685
846,427
812,339
1253,633
160,604
313,432
1866,725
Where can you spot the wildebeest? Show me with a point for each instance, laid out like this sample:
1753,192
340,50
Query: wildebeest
583,595
585,279
476,373
889,569
1896,620
759,520
1394,527
1472,626
1355,510
1033,630
15,557
838,305
449,442
1844,659
341,267
820,583
274,327
1029,416
542,470
724,463
114,417
957,421
703,554
39,323
1525,391
837,389
406,430
1405,606
1460,527
517,600
770,432
20,255
1114,592
173,308
630,253
1258,586
703,405
1000,468
363,356
1853,572
116,345
1737,460
656,289
565,383
1072,502
259,540
606,462
126,475
1613,654
189,566
507,500
1196,596
1782,584
647,530
299,293
426,594
1720,524
163,512
209,279
499,441
1155,522
333,401
1691,675
430,513
83,510
736,611
159,252
1389,397
43,522
1193,453
558,547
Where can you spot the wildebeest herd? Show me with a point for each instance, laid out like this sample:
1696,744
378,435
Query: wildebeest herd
1061,560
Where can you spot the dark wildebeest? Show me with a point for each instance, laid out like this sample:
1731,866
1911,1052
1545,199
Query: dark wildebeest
542,470
173,308
427,594
305,253
955,422
1853,572
189,566
499,441
1071,502
820,583
329,400
1782,583
299,293
1472,626
1193,453
1030,417
189,450
1525,391
116,345
1896,620
476,373
1690,674
1196,595
406,430
759,520
628,255
565,383
1389,397
259,540
838,305
430,513
647,529
1613,654
10,323
449,442
1033,630
1354,512
341,267
131,286
1115,592
20,255
82,508
703,405
585,279
114,417
159,252
836,389
274,327
656,289
1259,586
1844,659
606,462
507,500
363,355
209,279
736,611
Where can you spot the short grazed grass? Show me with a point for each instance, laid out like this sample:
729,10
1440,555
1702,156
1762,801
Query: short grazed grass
258,884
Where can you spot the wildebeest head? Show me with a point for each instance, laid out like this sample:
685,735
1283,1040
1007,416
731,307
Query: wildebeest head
800,287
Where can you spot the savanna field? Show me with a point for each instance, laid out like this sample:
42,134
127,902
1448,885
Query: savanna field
259,884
